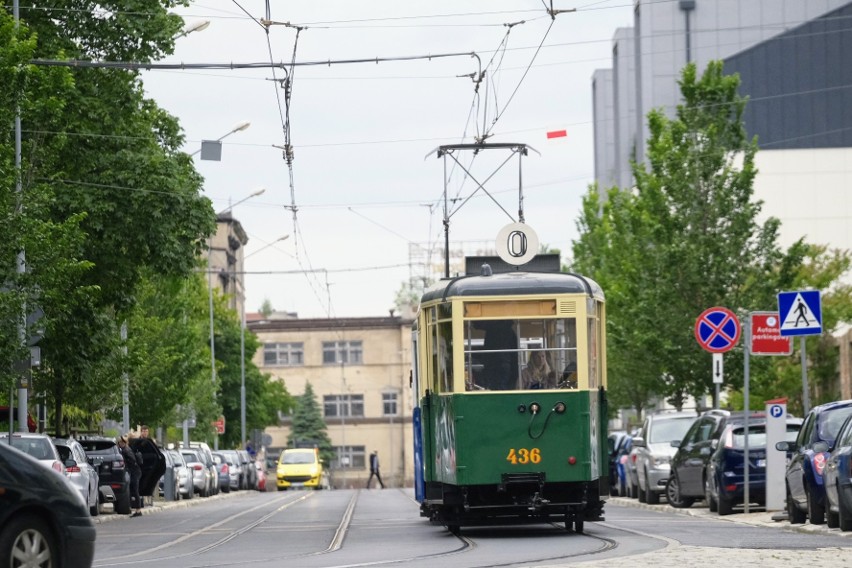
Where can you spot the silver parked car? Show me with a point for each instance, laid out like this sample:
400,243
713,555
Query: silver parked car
182,473
82,474
201,479
654,451
39,446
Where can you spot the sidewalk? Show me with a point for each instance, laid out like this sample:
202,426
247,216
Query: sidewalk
677,555
760,518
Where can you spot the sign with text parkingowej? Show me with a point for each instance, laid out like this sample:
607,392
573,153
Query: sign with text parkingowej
717,330
766,338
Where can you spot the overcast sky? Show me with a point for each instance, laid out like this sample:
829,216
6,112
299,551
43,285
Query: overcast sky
364,191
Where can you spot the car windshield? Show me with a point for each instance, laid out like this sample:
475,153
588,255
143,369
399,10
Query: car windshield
831,421
757,436
39,448
94,446
664,431
298,458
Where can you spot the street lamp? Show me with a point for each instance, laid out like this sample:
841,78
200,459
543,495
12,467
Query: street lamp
243,345
231,206
216,144
196,27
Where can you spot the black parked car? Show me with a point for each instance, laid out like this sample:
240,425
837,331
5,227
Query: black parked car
810,452
114,478
686,482
725,475
41,515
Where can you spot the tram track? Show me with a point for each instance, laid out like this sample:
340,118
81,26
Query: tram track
137,557
262,513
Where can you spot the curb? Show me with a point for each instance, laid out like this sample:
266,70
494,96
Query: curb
759,519
159,505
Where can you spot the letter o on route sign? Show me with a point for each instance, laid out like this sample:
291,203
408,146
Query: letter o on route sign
717,330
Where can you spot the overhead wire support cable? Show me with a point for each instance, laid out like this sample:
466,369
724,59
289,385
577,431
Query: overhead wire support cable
146,66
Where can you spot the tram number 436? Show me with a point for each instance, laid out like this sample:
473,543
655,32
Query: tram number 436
523,456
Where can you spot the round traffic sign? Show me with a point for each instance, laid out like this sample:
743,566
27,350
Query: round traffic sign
717,330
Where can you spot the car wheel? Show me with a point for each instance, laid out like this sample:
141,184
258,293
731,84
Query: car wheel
634,490
94,510
816,512
708,496
831,519
844,515
795,516
726,506
643,497
651,497
673,494
28,541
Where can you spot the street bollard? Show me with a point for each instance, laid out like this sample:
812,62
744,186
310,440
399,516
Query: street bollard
169,484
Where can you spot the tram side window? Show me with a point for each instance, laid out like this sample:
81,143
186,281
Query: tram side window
445,356
441,345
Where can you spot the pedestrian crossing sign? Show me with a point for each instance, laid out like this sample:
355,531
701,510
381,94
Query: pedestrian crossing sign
800,312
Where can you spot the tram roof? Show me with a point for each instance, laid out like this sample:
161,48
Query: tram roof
513,283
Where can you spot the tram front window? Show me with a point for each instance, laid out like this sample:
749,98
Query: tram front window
520,354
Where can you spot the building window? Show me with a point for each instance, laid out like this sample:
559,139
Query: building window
336,352
350,457
343,405
390,404
283,354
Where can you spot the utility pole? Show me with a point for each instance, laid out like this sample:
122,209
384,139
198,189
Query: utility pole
21,264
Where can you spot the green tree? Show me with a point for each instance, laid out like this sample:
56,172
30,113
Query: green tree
687,238
308,425
108,161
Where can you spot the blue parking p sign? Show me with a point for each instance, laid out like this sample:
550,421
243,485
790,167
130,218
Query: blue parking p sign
800,313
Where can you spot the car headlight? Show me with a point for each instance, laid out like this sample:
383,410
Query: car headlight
660,461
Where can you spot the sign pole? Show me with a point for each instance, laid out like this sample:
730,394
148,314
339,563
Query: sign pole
746,405
801,307
806,397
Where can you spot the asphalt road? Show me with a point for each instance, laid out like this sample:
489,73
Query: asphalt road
382,527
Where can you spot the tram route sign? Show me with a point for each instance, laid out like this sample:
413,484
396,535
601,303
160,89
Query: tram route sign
717,329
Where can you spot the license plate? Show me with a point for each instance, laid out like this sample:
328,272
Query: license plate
761,463
297,485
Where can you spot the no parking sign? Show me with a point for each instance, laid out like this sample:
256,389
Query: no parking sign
717,330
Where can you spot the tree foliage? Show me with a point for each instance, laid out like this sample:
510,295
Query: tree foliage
112,221
308,425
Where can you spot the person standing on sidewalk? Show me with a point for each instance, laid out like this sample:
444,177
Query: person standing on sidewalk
374,469
132,465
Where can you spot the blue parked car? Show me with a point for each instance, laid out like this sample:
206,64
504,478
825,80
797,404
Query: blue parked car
725,474
810,452
621,466
838,480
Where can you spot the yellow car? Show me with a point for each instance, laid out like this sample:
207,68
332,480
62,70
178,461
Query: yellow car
300,467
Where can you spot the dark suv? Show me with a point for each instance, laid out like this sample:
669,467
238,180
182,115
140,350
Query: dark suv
687,481
114,487
810,452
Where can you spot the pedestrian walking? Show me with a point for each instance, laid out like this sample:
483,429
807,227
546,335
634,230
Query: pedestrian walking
374,469
132,465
